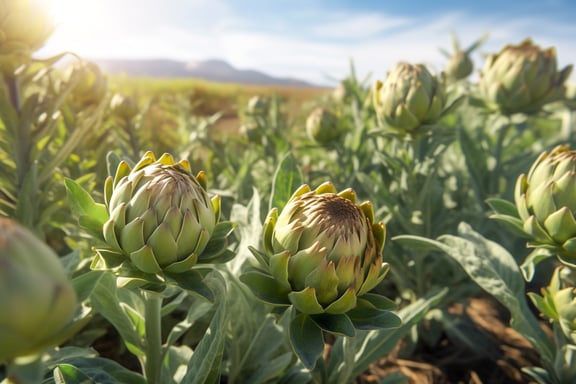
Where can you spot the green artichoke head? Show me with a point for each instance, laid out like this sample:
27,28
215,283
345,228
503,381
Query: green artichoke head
459,66
124,107
25,25
37,298
325,250
522,79
91,85
546,201
323,126
160,215
410,98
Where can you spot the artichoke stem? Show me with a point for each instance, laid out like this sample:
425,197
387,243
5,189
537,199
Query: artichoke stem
152,361
495,179
129,129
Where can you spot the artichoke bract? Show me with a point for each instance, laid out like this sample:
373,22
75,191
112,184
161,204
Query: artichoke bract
546,201
36,296
323,126
522,79
323,251
160,215
410,97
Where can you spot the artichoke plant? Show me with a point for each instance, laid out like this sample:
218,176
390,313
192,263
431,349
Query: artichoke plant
91,85
37,298
460,64
24,28
546,201
258,106
161,219
323,126
522,79
323,252
124,107
411,98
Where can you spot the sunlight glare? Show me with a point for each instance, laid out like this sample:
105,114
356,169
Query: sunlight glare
82,26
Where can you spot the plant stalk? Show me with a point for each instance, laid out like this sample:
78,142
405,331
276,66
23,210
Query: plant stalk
152,363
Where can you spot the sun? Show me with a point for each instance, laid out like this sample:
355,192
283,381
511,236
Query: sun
76,14
81,26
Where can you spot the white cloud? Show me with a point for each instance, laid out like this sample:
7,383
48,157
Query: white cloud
375,42
358,26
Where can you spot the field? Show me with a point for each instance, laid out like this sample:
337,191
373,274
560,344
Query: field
416,228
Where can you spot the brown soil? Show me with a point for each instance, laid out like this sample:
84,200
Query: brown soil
448,363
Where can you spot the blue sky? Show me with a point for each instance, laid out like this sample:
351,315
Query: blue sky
312,40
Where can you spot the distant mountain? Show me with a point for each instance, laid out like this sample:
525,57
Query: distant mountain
212,70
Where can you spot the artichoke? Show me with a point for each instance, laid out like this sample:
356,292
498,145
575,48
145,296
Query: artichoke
522,79
546,201
323,252
37,298
24,28
323,126
160,216
258,106
124,107
410,98
459,66
90,85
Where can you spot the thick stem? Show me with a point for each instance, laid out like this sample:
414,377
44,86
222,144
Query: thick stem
152,363
495,179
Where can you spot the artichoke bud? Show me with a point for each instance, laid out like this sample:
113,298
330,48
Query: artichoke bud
25,25
258,106
342,93
124,107
410,98
324,250
38,300
522,79
160,215
90,87
546,201
323,126
459,66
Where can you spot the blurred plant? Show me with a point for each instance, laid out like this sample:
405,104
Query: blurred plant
460,64
37,297
411,99
24,28
40,126
125,111
323,126
521,78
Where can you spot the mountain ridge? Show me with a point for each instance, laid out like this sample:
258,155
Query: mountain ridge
216,70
